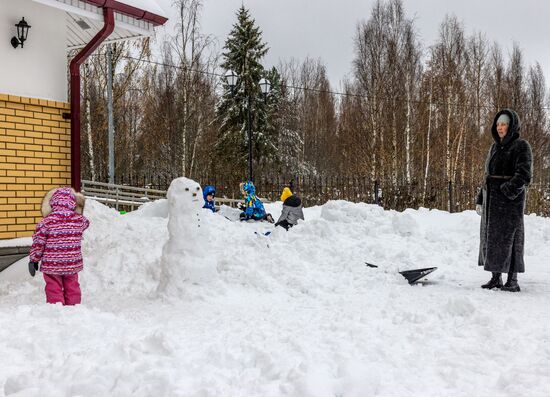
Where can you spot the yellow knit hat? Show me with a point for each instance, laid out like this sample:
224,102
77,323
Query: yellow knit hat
286,194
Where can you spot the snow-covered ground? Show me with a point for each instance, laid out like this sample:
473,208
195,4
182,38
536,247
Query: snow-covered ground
292,314
16,242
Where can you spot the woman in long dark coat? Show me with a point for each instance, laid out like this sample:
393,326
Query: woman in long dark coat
501,202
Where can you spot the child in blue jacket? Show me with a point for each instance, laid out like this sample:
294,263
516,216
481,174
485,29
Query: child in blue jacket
209,193
253,207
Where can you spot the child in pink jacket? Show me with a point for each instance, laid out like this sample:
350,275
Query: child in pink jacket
57,244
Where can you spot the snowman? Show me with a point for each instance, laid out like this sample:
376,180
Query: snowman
184,260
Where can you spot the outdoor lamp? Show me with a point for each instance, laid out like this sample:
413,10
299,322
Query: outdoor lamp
265,86
22,33
231,78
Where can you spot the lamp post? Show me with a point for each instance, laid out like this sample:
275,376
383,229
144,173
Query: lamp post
265,86
110,114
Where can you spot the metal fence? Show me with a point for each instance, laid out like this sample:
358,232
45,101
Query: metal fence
318,189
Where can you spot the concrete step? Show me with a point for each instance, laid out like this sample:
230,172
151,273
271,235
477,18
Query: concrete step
10,255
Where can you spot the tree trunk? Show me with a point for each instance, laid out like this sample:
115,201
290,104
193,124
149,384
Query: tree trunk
428,135
408,135
89,125
394,144
448,140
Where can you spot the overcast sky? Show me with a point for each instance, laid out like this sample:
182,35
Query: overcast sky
325,28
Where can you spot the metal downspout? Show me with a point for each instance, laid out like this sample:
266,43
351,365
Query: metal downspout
108,27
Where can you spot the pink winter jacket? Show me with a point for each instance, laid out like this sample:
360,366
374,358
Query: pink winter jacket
57,239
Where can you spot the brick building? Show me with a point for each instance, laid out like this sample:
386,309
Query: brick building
39,128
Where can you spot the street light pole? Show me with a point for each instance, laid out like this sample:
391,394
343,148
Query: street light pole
249,125
110,118
231,79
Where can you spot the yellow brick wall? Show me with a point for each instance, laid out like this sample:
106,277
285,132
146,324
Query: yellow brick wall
35,156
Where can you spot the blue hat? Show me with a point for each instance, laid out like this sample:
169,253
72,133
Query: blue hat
249,187
208,190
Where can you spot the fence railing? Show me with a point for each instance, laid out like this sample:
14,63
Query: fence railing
120,196
129,198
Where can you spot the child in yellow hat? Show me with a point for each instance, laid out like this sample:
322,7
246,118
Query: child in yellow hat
292,209
285,194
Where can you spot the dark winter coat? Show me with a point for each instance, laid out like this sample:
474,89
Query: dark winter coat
292,211
508,171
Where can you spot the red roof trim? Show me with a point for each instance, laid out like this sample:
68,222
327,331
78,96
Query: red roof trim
137,13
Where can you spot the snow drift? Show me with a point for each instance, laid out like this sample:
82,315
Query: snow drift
294,314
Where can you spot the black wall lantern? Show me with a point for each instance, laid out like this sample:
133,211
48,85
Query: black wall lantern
22,33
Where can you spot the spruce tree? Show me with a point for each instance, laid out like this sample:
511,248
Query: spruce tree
243,52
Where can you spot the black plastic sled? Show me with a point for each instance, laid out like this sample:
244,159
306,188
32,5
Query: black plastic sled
414,275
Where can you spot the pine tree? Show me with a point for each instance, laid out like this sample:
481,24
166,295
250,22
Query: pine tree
244,50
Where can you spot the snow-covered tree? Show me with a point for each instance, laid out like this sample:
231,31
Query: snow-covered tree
243,52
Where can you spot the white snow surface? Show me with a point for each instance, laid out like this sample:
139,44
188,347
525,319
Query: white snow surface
16,242
293,314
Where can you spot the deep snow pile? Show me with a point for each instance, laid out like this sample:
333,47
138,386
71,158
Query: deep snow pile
293,314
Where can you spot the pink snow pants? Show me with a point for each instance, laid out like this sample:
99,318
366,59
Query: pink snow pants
64,289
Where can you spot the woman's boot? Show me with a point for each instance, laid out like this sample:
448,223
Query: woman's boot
494,282
511,283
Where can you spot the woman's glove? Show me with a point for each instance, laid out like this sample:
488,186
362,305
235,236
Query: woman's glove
479,209
33,267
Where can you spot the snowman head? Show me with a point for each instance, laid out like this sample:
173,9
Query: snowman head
186,192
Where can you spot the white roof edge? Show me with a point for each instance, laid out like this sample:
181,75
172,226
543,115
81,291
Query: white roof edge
70,8
145,5
98,16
